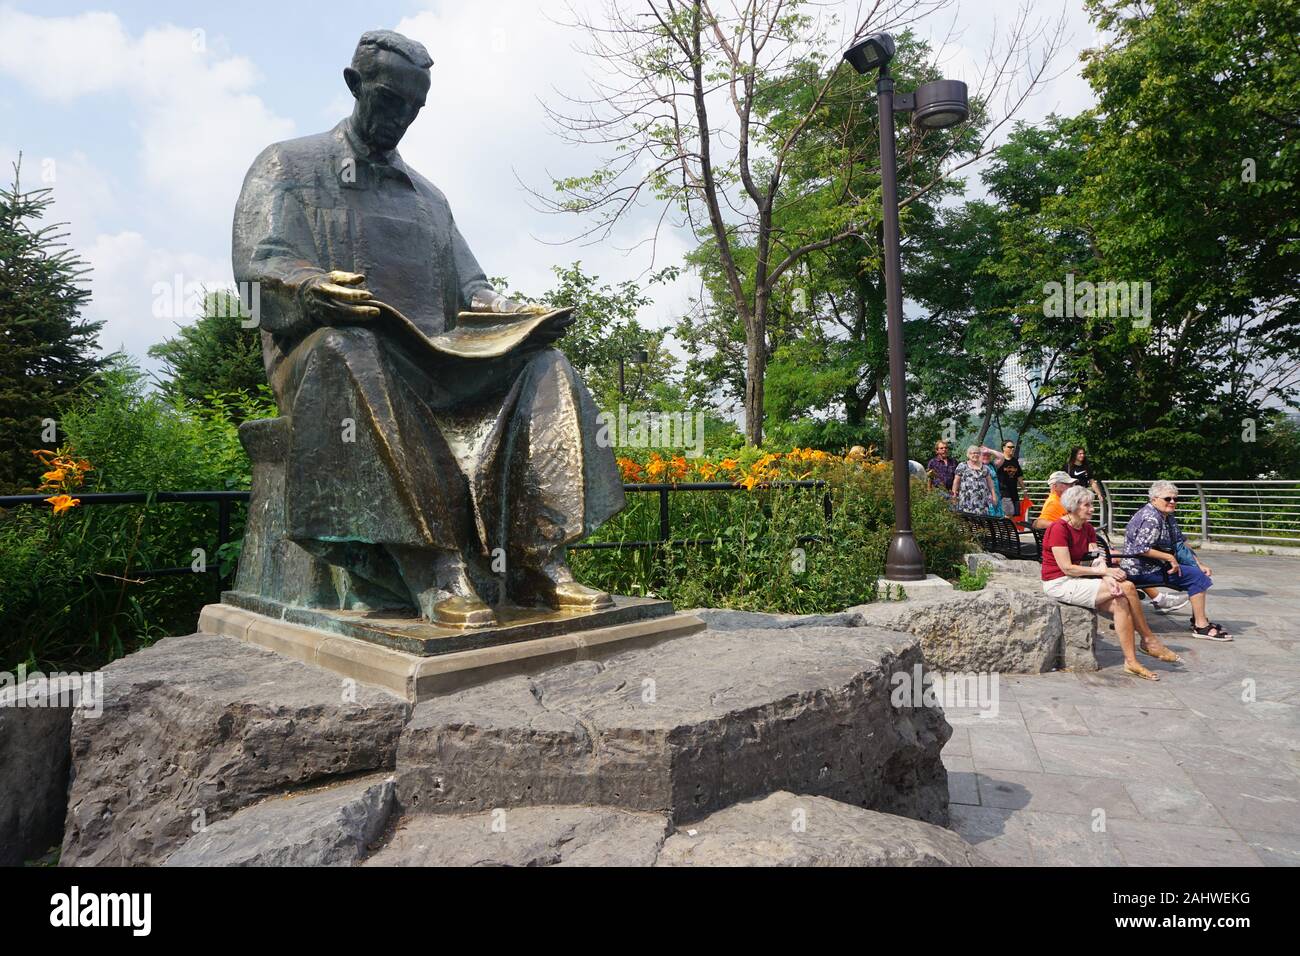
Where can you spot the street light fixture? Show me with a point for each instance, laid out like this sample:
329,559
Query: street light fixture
936,105
639,357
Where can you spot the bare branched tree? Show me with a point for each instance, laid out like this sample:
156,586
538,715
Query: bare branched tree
682,100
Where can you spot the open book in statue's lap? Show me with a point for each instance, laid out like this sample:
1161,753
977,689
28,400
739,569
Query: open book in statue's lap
440,451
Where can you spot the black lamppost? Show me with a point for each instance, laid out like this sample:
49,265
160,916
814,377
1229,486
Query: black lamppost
936,105
639,357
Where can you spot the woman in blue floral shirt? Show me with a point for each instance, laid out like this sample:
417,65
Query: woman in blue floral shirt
1162,558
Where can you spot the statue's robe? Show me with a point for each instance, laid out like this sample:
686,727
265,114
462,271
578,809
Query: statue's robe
393,444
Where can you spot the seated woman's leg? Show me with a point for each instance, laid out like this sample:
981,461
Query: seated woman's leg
1150,644
1118,608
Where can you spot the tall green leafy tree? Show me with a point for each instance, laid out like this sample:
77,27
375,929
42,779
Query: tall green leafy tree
47,351
726,113
1187,182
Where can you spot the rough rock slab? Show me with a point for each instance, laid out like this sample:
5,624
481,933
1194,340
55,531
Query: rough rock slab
1000,564
527,836
35,724
1078,624
333,826
686,728
786,829
197,727
999,629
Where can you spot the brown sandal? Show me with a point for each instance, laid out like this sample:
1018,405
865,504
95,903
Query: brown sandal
1165,654
1137,670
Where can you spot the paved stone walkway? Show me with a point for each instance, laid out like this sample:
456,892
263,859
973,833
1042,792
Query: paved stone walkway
1104,769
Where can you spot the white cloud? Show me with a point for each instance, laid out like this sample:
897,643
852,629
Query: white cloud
128,273
199,125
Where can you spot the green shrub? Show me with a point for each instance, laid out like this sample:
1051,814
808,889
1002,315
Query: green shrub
762,558
68,594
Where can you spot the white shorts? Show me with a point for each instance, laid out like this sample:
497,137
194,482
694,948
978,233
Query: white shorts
1080,591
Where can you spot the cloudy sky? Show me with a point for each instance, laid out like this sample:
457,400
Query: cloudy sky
144,118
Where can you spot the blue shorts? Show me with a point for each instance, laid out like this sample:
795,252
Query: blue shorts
1189,578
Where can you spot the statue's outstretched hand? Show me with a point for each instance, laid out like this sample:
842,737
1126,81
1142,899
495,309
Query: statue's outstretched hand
338,298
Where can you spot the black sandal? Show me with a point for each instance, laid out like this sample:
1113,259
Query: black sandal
1219,634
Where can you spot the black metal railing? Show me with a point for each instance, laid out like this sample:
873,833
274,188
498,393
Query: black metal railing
224,500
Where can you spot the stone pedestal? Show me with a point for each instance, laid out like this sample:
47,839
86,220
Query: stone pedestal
417,660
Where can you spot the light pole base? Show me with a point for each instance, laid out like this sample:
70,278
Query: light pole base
904,561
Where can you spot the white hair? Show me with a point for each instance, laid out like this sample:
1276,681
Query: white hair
1075,497
972,448
1162,488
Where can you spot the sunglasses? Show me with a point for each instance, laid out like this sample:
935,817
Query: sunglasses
1170,500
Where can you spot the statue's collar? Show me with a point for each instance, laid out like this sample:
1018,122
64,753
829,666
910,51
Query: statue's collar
371,157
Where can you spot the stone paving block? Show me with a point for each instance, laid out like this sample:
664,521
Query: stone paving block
1006,714
1239,760
1274,849
1147,843
961,779
996,834
1057,839
1101,757
1141,723
1252,803
1166,804
1053,717
1056,793
1003,748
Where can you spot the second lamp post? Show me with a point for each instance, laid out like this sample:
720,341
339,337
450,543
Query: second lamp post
935,105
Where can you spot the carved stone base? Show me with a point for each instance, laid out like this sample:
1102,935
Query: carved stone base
418,660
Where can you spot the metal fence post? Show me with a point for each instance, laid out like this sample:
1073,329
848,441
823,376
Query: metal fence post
664,529
1205,513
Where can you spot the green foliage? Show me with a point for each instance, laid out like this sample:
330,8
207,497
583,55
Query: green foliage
68,597
773,549
1184,177
214,355
46,349
973,581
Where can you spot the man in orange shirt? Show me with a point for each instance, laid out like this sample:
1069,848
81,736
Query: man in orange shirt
1052,509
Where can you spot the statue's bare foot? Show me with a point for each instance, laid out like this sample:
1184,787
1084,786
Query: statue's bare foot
552,583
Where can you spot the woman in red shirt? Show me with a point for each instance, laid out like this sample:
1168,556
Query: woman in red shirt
1102,589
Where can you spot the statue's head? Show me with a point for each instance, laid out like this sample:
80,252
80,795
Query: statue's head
389,77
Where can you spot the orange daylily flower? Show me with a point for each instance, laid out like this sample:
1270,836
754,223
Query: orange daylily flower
62,503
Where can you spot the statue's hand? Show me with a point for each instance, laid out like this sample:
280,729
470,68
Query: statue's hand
550,331
337,298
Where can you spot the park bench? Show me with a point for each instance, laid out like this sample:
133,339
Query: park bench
1000,536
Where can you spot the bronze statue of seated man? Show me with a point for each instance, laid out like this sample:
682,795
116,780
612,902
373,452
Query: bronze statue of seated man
445,480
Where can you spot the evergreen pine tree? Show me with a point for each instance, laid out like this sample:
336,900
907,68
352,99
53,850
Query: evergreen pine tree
46,349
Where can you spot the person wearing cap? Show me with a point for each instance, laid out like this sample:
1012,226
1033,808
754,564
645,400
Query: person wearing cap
1052,509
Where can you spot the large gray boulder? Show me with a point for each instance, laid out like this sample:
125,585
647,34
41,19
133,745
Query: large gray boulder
781,829
1078,624
35,724
999,629
688,727
196,727
527,836
786,829
332,826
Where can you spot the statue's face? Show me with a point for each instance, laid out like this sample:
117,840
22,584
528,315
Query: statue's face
388,100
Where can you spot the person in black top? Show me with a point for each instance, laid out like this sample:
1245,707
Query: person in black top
1011,479
1080,469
